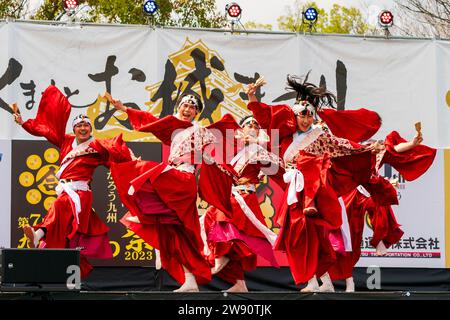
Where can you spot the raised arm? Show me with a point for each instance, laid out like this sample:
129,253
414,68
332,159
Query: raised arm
405,146
410,158
51,120
139,119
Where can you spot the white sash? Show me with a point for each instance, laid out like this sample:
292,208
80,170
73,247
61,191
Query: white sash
70,188
300,142
206,250
77,149
345,227
296,181
269,234
363,191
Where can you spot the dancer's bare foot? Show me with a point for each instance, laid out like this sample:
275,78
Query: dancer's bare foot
326,288
238,287
349,285
310,211
219,264
313,286
189,285
327,284
381,249
31,236
187,288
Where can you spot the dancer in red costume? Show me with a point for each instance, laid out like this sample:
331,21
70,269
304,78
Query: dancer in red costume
235,240
71,222
320,167
162,197
375,198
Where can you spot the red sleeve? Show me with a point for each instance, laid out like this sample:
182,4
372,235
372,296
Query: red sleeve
165,128
347,172
162,128
51,120
410,164
214,187
355,125
262,113
280,117
140,119
225,145
381,191
112,150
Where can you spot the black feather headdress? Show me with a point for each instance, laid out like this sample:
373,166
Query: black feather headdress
317,96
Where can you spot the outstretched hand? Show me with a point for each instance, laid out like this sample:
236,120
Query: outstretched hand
16,113
251,91
18,119
417,139
116,103
376,147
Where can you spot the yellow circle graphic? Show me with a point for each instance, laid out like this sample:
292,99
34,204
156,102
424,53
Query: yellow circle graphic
46,180
51,155
447,98
34,162
34,196
26,179
48,202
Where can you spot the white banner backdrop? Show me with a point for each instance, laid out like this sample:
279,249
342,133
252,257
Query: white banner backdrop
5,193
443,91
405,81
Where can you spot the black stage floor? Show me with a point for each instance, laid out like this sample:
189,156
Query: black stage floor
223,296
130,283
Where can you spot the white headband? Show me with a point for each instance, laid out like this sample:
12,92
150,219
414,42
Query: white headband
303,105
189,99
248,120
81,118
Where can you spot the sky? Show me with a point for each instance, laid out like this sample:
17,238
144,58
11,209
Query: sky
267,11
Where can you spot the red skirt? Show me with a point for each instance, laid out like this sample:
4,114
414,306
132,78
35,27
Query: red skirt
169,217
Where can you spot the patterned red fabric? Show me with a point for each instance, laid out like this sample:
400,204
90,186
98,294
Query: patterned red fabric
331,167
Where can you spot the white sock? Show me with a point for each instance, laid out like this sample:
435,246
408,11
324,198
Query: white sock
158,264
190,283
327,284
349,285
39,235
313,285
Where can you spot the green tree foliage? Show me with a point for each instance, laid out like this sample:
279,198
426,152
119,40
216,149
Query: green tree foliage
12,8
339,19
251,25
345,20
181,13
